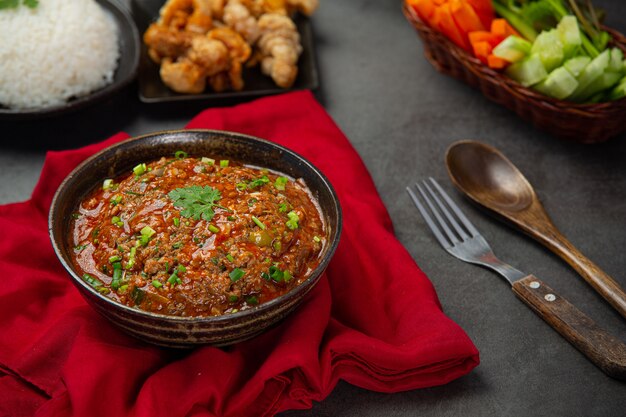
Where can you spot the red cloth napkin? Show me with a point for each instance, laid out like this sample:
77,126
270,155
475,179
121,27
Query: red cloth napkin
373,320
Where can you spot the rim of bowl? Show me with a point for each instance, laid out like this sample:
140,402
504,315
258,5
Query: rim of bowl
317,272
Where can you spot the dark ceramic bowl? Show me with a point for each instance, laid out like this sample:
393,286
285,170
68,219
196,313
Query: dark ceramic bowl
126,71
173,331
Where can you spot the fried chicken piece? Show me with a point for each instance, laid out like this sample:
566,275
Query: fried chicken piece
219,82
191,15
165,42
183,76
238,48
210,55
238,17
280,46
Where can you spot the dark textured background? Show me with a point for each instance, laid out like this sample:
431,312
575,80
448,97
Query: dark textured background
401,115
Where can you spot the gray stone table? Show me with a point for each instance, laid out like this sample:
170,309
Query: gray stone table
401,115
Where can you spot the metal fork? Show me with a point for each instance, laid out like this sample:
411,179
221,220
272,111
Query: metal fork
459,237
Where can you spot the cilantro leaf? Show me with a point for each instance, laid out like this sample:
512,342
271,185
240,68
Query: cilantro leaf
196,201
31,3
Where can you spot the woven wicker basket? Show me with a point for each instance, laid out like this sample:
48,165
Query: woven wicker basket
584,123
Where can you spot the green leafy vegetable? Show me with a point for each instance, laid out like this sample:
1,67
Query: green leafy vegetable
196,201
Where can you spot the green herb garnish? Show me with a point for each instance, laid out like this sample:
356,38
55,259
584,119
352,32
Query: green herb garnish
196,201
258,223
180,155
292,223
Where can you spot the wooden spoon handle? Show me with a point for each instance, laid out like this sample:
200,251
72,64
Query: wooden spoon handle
596,277
600,347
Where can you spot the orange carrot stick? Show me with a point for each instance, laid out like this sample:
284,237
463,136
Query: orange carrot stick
424,9
503,28
484,36
484,10
496,62
482,50
446,25
465,17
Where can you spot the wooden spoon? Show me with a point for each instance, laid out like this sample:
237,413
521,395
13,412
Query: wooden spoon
486,176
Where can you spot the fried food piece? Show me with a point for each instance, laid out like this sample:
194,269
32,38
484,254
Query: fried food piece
238,17
219,82
280,47
166,42
183,76
238,48
306,7
210,55
191,15
201,20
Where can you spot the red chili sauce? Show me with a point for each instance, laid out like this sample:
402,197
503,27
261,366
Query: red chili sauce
197,237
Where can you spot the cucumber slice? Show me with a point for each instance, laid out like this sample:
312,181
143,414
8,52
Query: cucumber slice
616,61
601,83
592,71
569,33
559,84
528,71
577,64
549,47
619,91
512,49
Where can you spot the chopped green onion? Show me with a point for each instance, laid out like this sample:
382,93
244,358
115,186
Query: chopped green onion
280,183
241,186
117,275
208,161
131,257
230,258
95,283
277,245
230,218
167,267
287,275
146,233
174,279
282,207
156,284
140,169
79,248
122,289
116,199
259,182
137,295
177,245
233,298
317,239
292,223
214,229
181,269
115,258
259,223
117,221
236,274
252,300
265,276
107,184
180,155
224,163
176,221
276,274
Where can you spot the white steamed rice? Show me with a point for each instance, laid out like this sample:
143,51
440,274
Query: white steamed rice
59,50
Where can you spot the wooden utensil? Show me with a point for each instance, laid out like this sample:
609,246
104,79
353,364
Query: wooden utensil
486,176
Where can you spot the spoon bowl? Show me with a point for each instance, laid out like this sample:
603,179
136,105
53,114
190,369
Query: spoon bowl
486,176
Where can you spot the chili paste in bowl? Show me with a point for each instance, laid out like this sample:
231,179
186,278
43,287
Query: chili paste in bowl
197,236
190,237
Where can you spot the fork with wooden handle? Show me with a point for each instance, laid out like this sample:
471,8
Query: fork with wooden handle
459,237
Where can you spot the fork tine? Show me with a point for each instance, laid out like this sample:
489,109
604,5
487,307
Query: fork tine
454,222
468,225
429,221
442,223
